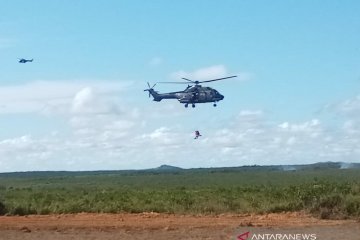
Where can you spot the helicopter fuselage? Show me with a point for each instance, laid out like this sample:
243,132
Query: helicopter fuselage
191,95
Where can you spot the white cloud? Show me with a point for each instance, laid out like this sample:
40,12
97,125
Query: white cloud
308,126
83,101
50,96
106,134
86,101
350,106
109,141
352,126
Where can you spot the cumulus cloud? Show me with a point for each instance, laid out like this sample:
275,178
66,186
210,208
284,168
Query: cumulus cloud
348,111
350,107
352,127
164,136
308,126
50,96
86,101
105,134
109,141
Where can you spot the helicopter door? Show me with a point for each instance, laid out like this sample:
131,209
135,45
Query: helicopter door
209,96
203,96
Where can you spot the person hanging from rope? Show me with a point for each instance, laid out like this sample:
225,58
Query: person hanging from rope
197,134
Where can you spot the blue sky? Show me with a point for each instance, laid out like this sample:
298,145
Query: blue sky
80,104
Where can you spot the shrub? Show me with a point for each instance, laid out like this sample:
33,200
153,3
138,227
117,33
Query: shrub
2,209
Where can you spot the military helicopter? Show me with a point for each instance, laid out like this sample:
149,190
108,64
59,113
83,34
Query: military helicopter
192,94
23,60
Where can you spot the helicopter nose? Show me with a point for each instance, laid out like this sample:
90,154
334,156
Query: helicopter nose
221,97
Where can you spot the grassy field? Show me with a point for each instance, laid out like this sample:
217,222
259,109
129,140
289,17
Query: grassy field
326,193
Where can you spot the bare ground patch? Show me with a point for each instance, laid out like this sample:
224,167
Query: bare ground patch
169,226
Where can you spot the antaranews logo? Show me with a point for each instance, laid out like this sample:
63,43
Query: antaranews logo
243,236
276,236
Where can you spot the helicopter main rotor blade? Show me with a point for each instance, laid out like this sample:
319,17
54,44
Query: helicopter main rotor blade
175,82
188,80
152,86
217,79
197,82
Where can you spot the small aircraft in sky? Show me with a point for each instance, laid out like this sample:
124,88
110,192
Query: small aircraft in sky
23,60
192,94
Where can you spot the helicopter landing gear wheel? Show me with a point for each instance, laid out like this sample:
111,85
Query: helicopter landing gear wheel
193,105
186,105
214,105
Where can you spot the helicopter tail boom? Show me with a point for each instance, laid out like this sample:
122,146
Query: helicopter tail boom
155,95
160,96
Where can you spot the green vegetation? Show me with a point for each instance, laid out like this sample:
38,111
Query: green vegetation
326,193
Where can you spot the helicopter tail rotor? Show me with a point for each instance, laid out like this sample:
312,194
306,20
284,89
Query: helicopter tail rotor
150,88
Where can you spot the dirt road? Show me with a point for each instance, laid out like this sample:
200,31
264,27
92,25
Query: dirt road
167,226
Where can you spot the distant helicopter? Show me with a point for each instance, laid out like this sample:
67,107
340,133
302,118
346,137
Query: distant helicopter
192,94
23,60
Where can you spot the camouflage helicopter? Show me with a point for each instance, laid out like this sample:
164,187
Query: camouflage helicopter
23,60
193,94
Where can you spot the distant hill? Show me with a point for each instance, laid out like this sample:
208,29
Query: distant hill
320,166
167,168
175,170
